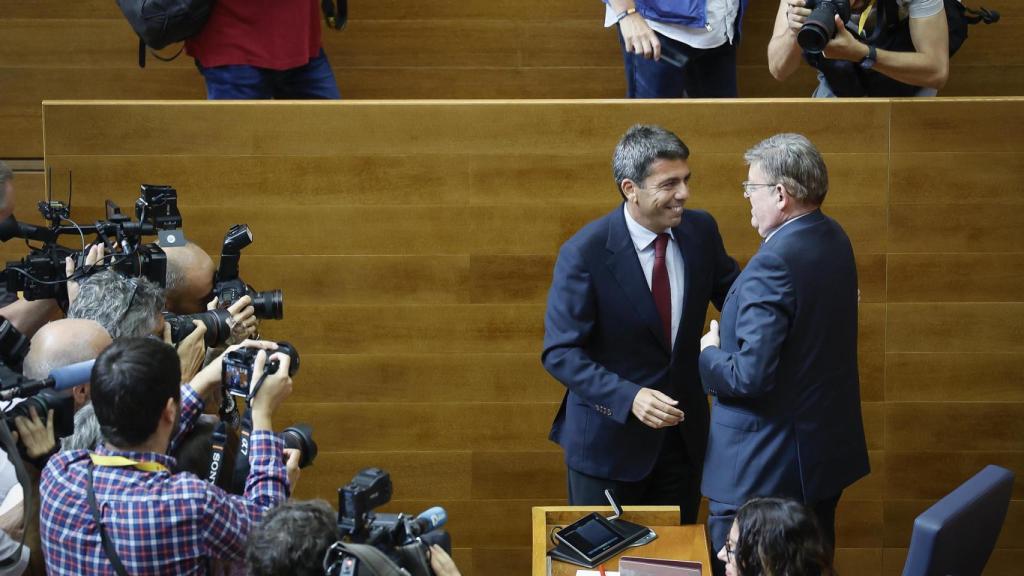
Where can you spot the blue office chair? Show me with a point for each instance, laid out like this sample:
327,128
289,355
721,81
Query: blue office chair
957,534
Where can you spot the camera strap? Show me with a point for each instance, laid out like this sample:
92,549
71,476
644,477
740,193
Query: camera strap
108,546
241,471
218,442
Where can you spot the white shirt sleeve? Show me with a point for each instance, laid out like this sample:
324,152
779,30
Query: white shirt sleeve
922,8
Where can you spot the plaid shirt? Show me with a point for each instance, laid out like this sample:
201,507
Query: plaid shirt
159,523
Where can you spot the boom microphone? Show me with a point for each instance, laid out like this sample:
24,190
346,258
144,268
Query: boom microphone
71,375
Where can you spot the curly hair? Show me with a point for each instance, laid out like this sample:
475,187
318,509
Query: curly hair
292,539
780,537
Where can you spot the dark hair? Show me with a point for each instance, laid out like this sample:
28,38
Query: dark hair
640,147
780,537
292,540
131,382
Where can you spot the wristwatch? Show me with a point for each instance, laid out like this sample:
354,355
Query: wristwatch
869,61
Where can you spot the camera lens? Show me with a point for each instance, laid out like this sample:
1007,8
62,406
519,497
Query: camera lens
268,304
216,321
820,26
300,437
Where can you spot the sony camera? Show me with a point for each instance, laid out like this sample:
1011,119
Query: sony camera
229,287
237,367
820,26
402,538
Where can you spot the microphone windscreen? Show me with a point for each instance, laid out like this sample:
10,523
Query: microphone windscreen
72,375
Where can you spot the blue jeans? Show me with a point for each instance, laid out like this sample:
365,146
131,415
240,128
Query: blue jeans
708,73
315,80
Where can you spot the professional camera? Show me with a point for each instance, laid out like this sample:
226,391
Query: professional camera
41,274
229,287
402,538
820,26
300,437
218,328
237,367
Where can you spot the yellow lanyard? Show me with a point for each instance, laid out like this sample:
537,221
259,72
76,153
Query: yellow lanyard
864,18
122,462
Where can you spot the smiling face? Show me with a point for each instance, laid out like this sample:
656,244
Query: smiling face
657,202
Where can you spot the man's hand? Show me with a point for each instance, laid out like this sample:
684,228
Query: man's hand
208,379
796,14
243,321
639,38
291,465
844,46
191,350
37,437
656,409
711,338
441,562
275,389
94,255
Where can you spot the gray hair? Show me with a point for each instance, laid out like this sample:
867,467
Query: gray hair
791,160
125,307
639,147
6,175
87,431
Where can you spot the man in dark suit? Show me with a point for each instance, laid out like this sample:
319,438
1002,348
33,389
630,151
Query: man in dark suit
625,313
785,419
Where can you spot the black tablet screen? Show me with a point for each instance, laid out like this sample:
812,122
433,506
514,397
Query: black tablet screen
591,537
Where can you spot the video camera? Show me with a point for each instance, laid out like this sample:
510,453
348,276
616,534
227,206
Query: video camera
41,274
402,538
228,288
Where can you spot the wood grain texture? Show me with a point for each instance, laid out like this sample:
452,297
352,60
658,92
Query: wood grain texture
974,277
953,377
955,426
956,327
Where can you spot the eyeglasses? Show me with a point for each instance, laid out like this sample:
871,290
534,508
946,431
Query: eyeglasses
748,187
730,552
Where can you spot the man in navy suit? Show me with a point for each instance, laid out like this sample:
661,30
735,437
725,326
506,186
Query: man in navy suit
785,419
625,314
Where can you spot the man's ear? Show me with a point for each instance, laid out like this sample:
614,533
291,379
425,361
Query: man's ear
629,190
80,394
170,413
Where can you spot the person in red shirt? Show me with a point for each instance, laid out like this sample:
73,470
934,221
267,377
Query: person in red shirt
263,49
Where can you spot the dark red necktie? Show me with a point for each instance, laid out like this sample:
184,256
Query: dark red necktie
660,287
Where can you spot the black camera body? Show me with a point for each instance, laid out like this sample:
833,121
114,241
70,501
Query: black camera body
218,328
238,364
404,539
820,26
229,287
41,274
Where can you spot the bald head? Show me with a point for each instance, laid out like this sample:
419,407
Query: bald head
64,342
189,279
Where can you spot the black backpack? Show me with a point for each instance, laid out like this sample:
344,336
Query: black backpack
159,23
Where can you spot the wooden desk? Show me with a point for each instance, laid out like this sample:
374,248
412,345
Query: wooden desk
674,541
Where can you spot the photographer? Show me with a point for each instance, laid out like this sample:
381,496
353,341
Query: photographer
190,290
131,308
293,538
855,66
140,507
27,316
58,344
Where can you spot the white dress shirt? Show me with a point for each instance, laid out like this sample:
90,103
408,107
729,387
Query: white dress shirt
643,242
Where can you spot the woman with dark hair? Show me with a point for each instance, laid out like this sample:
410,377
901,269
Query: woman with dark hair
775,537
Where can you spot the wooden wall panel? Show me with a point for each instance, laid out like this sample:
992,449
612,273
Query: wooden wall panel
415,244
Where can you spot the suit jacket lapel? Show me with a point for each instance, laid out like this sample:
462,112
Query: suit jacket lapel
625,267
